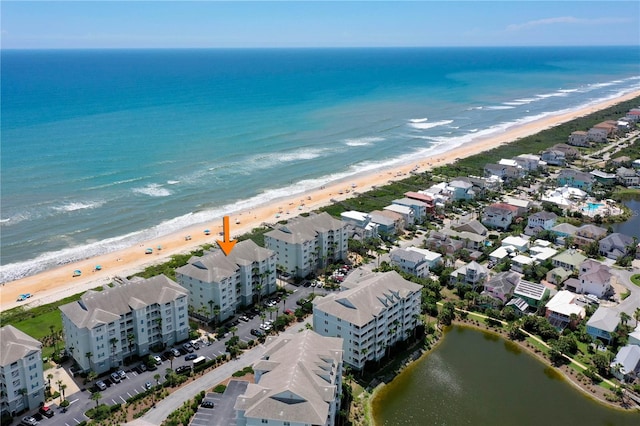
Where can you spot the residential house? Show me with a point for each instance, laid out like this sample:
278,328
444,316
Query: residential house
554,157
443,243
359,225
472,274
305,244
621,161
597,135
540,221
520,244
626,365
636,164
570,153
20,370
594,278
407,214
472,226
610,126
615,245
470,240
627,177
386,217
558,275
420,208
634,336
298,381
372,314
423,198
575,179
564,230
504,171
387,227
532,293
579,138
587,234
542,250
569,260
633,115
415,261
529,162
562,311
460,190
499,215
564,197
520,262
606,179
603,324
521,205
501,286
105,327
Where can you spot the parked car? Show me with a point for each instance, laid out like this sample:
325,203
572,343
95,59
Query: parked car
115,377
122,374
187,347
195,344
256,332
183,369
207,404
101,385
147,385
46,411
243,318
157,359
175,352
141,368
29,421
190,357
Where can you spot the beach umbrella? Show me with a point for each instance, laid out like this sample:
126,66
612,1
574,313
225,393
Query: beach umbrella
149,250
98,267
77,273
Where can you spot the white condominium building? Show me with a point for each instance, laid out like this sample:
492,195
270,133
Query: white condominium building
298,382
21,378
219,284
305,244
370,316
104,327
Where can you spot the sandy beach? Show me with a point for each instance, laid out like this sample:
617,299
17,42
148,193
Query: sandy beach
57,283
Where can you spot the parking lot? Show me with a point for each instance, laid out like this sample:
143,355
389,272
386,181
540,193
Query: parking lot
222,413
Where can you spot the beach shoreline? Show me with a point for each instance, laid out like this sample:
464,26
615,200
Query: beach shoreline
58,282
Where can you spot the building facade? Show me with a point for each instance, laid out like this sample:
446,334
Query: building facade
370,316
104,327
218,285
306,244
298,382
21,377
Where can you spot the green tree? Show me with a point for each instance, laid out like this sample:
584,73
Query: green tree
96,396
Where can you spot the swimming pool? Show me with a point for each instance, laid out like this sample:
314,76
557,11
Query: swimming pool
592,206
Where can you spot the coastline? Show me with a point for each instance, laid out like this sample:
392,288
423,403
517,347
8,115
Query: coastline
57,283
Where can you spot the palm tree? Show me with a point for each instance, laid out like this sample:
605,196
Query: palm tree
49,377
130,339
89,355
285,295
62,388
211,302
23,392
113,342
96,396
59,383
636,316
624,317
157,379
54,338
233,331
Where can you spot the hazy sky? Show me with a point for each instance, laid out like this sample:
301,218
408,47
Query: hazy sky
122,24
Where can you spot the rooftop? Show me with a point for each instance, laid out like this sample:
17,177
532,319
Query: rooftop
16,345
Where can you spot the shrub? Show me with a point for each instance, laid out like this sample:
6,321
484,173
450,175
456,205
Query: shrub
219,389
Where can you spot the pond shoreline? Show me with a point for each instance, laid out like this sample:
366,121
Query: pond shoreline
595,393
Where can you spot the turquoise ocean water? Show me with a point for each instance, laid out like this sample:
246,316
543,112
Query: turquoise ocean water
102,149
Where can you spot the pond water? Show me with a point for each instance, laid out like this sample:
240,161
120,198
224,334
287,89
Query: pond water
632,226
477,378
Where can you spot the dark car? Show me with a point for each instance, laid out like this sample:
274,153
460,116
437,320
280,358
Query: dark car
190,357
141,368
46,411
183,369
207,404
256,332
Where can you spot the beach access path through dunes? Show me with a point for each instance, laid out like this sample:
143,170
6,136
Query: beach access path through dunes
57,283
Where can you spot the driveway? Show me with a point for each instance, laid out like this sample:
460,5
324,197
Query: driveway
222,413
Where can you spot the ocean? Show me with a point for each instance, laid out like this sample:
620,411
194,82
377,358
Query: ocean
102,149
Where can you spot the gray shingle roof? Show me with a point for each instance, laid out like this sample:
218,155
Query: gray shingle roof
302,229
408,255
605,319
544,215
367,298
16,345
472,226
102,307
215,267
617,240
298,383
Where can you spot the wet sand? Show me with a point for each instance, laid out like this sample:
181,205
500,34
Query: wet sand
57,283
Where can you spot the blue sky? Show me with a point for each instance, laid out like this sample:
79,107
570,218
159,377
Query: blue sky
146,24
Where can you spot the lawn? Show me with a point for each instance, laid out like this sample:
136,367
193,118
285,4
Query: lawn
40,326
636,279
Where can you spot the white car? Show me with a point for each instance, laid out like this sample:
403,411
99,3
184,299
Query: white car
157,359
